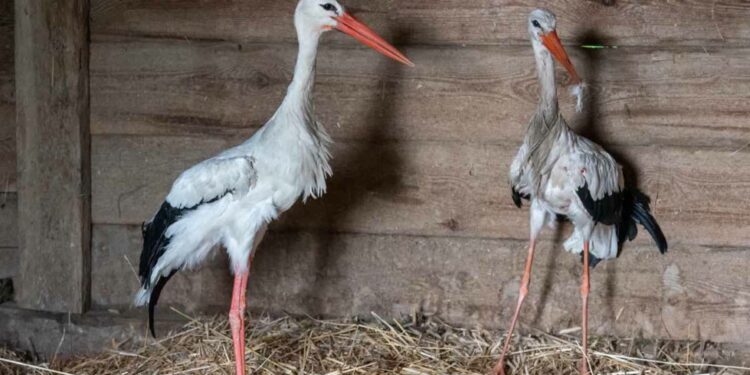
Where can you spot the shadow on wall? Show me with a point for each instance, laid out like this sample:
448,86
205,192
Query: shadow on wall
371,167
589,126
347,191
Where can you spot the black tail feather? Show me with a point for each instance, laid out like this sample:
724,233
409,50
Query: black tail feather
637,210
155,243
154,299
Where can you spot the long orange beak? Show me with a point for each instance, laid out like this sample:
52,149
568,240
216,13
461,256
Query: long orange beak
351,26
555,47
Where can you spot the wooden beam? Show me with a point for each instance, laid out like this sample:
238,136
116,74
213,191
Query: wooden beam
8,235
53,149
62,335
7,100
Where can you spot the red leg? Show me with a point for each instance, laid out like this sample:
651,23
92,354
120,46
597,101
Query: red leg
585,297
237,319
500,367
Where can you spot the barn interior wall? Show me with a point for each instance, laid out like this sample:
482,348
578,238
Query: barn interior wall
418,216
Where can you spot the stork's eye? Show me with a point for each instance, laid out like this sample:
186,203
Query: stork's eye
328,7
536,24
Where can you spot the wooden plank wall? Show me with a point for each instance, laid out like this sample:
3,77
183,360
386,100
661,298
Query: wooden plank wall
8,203
418,214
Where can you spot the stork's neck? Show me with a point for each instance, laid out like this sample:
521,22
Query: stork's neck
294,124
299,94
545,66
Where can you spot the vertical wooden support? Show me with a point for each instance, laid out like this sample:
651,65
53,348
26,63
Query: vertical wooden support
52,114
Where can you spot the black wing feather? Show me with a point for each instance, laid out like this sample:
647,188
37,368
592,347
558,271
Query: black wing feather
155,293
607,210
517,196
624,210
155,243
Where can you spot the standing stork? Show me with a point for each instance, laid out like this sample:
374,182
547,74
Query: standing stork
565,174
229,199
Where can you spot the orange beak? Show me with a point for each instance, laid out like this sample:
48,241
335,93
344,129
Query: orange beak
555,47
357,30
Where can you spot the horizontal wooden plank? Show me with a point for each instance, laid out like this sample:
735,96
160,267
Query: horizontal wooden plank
433,188
465,281
7,100
481,94
622,22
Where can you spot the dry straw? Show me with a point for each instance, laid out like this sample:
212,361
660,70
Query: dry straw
428,347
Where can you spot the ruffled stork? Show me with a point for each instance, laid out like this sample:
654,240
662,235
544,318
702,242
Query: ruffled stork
564,174
229,200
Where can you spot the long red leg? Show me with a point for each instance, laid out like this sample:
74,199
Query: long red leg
585,297
237,319
500,367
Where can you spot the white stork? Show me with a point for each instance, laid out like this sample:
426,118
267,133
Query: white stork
229,200
564,174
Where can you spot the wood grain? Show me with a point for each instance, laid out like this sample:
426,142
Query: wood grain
8,220
433,188
53,145
8,235
8,262
465,281
8,200
457,22
418,214
481,94
7,100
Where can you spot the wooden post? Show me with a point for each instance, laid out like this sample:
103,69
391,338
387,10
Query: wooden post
52,114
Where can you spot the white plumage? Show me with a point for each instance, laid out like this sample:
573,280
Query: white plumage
228,200
573,163
566,175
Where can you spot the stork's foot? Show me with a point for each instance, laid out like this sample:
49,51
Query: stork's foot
499,368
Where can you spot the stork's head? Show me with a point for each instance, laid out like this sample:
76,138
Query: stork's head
316,16
543,32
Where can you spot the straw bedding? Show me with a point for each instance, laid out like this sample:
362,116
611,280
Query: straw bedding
420,346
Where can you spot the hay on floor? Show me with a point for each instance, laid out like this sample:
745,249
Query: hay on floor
296,346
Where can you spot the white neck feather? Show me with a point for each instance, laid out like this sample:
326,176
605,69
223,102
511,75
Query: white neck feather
299,93
548,90
294,124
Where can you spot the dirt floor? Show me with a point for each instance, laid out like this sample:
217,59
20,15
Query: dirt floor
420,346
